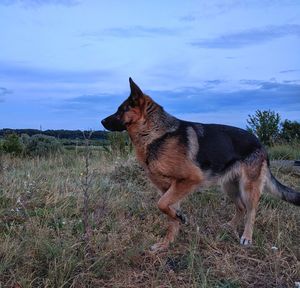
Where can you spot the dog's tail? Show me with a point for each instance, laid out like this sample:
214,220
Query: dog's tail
274,187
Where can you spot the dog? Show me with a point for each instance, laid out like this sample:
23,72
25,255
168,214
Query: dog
180,156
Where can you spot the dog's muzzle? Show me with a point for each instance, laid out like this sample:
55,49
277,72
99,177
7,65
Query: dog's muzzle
112,123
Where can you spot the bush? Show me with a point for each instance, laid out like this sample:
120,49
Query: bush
12,144
41,145
25,138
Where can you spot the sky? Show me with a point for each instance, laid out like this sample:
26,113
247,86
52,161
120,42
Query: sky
65,64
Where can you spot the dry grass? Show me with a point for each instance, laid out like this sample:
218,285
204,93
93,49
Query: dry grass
41,231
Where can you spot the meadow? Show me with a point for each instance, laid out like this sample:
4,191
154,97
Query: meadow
87,217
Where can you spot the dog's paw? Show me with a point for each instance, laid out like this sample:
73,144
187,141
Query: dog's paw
182,217
158,247
245,241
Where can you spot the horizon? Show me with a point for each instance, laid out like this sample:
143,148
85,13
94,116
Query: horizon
65,64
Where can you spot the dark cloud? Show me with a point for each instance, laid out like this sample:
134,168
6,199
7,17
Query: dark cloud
188,18
289,71
192,103
3,93
90,104
292,81
36,3
132,31
41,75
214,82
95,99
264,95
248,37
273,85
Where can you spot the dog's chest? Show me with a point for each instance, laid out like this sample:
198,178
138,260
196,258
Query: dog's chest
161,181
157,177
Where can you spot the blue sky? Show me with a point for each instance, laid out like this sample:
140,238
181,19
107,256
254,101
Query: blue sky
66,63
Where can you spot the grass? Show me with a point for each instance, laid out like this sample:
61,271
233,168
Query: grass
41,230
285,151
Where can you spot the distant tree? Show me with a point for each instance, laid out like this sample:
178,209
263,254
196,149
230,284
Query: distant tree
12,144
290,130
265,125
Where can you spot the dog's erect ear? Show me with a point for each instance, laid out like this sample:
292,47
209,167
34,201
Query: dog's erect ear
135,92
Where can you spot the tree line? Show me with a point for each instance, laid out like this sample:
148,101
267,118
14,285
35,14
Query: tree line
59,134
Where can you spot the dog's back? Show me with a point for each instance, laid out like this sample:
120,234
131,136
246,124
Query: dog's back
221,146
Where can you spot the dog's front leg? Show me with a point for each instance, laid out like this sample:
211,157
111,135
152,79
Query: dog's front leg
169,204
173,229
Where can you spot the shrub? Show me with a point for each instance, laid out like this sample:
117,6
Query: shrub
41,145
119,144
12,144
25,138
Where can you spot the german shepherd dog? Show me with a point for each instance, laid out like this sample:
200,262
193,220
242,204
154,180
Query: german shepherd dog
180,157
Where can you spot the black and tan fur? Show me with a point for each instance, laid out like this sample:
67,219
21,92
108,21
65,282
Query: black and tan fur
180,157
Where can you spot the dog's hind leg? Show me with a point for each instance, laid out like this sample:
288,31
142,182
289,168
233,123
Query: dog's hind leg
251,188
232,189
251,194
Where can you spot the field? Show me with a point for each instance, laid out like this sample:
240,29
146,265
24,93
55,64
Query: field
82,219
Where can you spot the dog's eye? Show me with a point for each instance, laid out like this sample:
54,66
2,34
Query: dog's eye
131,103
126,108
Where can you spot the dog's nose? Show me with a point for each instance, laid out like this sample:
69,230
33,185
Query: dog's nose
103,122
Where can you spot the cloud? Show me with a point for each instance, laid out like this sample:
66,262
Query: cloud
24,73
214,82
248,37
188,18
37,3
3,93
289,71
31,82
190,103
255,95
273,85
96,99
90,104
264,95
215,8
132,32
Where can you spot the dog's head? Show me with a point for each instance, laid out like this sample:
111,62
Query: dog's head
129,112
